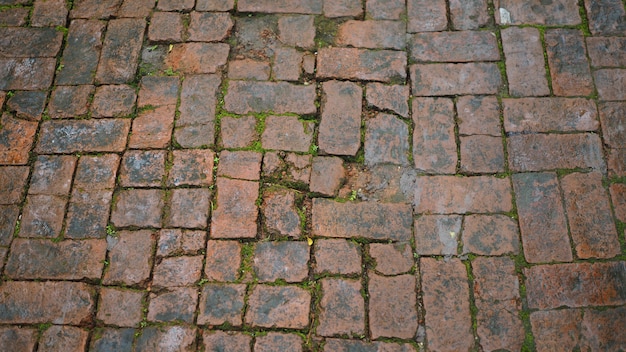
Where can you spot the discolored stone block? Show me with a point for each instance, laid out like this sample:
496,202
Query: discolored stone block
173,305
342,308
130,257
222,303
97,135
177,271
337,256
361,64
279,307
120,307
236,212
284,260
392,306
437,234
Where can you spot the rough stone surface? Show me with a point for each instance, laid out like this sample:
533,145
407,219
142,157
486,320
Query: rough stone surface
437,234
434,148
66,136
553,13
371,34
236,213
196,58
490,235
327,174
120,51
337,256
280,213
455,79
386,140
63,338
524,62
463,46
18,339
130,258
278,97
361,64
177,271
279,307
549,114
341,105
569,67
222,260
342,308
284,260
222,303
120,307
177,304
287,133
426,16
392,259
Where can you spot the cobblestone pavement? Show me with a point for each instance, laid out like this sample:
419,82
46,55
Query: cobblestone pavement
312,175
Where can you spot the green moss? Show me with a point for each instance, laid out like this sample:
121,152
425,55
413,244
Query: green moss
326,31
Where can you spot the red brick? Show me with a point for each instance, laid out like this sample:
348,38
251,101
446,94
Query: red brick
175,5
226,341
434,146
613,117
96,172
482,154
82,52
113,101
278,307
541,218
385,9
189,208
337,256
437,234
191,167
392,258
617,162
195,126
472,14
3,254
575,285
88,214
455,79
280,214
556,329
27,105
327,175
120,307
143,168
606,17
70,101
122,339
173,305
386,140
12,182
554,13
8,219
342,8
524,62
130,258
281,6
287,133
153,128
26,73
371,34
177,271
222,303
138,207
284,260
166,338
392,306
426,16
490,235
458,195
341,106
607,51
209,27
173,242
241,164
278,97
537,152
385,97
166,27
29,302
290,167
297,30
17,138
618,195
215,5
287,64
341,309
236,213
97,135
238,132
136,8
446,302
63,338
196,58
363,220
464,46
341,345
14,16
549,114
249,69
478,115
18,338
275,341
569,67
589,213
29,42
158,91
361,64
605,329
95,9
120,51
222,260
42,216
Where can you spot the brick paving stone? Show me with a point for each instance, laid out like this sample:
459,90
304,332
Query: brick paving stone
589,213
222,260
426,16
361,64
3,254
541,218
196,58
113,339
66,260
567,58
63,338
174,305
42,216
471,14
95,9
226,341
538,152
434,146
604,329
342,8
481,154
8,219
173,242
98,135
388,97
191,167
120,307
308,63
497,298
143,168
575,285
386,140
169,338
610,84
557,329
215,5
70,101
364,220
327,175
175,5
341,106
166,27
287,64
554,13
222,303
120,51
463,46
437,234
188,208
392,306
26,73
342,308
278,307
82,52
524,62
177,271
385,10
278,97
153,128
195,127
96,172
342,345
249,69
158,90
280,214
14,16
209,27
130,258
29,42
490,235
113,101
236,213
238,132
549,114
337,256
16,138
52,175
244,165
28,105
454,79
446,303
297,30
606,17
88,214
606,51
618,196
392,258
138,207
282,6
276,341
371,34
12,182
284,260
617,162
62,302
136,8
18,338
287,133
457,195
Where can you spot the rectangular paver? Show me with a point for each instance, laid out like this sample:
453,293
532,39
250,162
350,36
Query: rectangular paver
361,64
455,79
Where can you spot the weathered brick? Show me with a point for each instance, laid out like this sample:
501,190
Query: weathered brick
177,271
173,305
606,51
17,338
610,84
29,42
481,154
287,133
361,64
98,135
222,303
96,172
343,345
238,132
167,338
281,6
29,302
111,338
138,207
249,69
278,97
372,34
189,208
236,213
287,64
66,260
130,258
27,104
342,308
446,302
537,152
196,58
278,307
113,101
554,13
42,216
175,5
297,30
606,17
549,114
215,5
209,27
136,8
426,16
385,97
455,79
166,27
14,16
191,167
12,182
94,8
386,140
366,220
618,196
387,316
82,52
569,67
69,101
603,329
195,126
617,162
284,260
524,62
16,139
226,341
173,242
392,258
471,14
342,8
120,307
385,9
434,145
63,338
490,235
337,256
541,218
437,234
276,341
120,51
245,165
280,214
158,90
327,174
575,285
222,260
88,213
464,46
341,106
153,128
8,220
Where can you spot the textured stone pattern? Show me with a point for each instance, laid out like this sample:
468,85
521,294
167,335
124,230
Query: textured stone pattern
312,175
